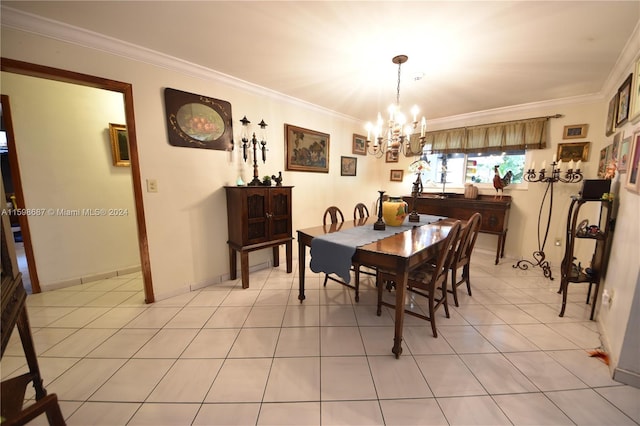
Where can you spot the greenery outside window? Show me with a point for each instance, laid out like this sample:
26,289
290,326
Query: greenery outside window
477,168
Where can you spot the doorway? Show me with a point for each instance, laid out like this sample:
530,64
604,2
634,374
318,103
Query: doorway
33,70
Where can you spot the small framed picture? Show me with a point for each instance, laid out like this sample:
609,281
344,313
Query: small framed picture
633,183
396,175
391,157
624,99
616,145
576,151
623,154
359,146
119,145
348,166
611,115
602,162
634,109
575,131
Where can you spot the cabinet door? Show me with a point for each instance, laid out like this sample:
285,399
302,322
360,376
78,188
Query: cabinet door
257,221
280,213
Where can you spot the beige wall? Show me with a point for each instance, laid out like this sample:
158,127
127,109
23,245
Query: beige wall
186,219
64,154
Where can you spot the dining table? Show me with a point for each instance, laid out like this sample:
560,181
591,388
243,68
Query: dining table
400,249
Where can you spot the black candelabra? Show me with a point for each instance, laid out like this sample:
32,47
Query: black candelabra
254,141
570,176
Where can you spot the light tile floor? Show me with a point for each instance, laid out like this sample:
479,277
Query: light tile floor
223,355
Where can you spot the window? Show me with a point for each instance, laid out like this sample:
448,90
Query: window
471,168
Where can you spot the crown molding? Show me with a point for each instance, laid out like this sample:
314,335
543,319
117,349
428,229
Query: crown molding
27,22
624,64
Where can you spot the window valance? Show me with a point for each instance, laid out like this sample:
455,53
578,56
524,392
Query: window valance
528,133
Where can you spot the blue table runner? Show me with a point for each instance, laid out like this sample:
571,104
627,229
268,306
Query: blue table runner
332,253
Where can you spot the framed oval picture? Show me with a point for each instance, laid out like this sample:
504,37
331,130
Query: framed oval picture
196,121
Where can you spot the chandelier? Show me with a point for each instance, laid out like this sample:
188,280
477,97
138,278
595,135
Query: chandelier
394,136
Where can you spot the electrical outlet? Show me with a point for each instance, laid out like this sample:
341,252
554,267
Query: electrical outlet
152,185
558,242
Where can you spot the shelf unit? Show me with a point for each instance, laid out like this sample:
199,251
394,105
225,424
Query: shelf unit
571,273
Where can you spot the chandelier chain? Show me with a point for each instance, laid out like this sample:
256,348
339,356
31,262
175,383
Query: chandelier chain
398,88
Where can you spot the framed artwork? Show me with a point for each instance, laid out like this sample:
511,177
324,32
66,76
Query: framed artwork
396,175
576,151
391,157
575,131
306,150
119,145
348,166
633,184
623,154
615,145
196,121
624,99
602,163
359,146
634,107
611,115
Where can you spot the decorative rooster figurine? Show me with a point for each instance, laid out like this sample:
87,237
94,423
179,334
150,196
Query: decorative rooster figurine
499,183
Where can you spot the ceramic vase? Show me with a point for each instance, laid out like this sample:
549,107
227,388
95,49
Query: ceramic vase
394,210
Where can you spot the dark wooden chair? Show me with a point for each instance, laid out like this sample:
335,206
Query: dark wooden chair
426,279
360,211
462,258
335,216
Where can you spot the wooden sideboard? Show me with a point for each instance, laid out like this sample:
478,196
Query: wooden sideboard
258,217
494,211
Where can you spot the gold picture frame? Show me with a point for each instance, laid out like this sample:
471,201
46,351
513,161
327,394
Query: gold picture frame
306,150
633,180
396,175
119,145
359,145
634,109
575,131
576,151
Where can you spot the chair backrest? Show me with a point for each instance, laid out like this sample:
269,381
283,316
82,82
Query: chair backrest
438,273
469,234
335,215
360,211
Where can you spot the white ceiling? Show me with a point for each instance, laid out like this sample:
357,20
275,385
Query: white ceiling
473,55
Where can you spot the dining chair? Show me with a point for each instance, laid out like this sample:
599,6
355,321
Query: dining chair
360,211
462,257
335,216
426,279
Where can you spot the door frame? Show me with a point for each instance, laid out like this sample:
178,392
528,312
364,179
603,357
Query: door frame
56,74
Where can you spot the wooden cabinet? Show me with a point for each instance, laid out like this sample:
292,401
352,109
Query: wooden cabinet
258,217
572,270
494,211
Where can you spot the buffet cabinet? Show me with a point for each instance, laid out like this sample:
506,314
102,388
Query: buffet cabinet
494,211
258,217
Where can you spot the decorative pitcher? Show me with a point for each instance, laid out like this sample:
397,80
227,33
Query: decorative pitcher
394,210
470,191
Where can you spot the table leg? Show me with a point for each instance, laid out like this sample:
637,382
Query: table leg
244,268
301,269
401,286
232,264
498,248
289,254
276,256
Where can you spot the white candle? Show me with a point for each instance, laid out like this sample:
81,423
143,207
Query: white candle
533,165
544,165
423,127
555,158
571,165
578,166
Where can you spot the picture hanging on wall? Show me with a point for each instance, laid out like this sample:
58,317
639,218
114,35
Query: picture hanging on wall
602,163
633,183
306,150
196,121
624,98
611,115
348,166
119,145
623,154
634,108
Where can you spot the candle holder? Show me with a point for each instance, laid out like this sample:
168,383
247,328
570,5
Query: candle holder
380,225
570,176
254,141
